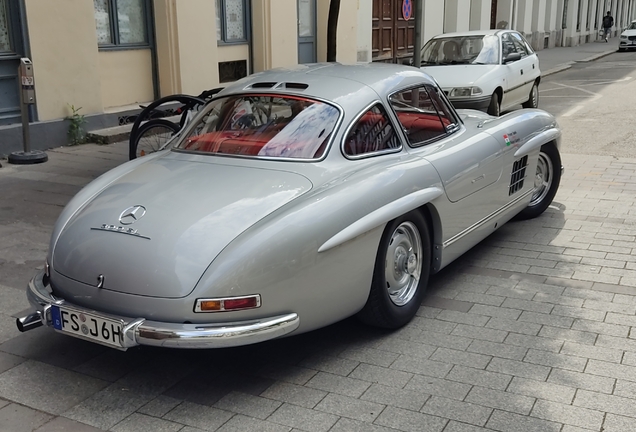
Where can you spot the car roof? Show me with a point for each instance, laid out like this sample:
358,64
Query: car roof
473,33
350,84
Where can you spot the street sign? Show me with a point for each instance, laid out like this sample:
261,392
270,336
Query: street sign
407,9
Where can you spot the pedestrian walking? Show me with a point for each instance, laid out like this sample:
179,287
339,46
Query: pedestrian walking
608,22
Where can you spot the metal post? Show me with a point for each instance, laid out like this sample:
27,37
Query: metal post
417,43
27,97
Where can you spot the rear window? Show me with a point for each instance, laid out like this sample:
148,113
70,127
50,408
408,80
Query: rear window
276,126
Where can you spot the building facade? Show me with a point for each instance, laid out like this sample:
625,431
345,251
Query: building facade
105,57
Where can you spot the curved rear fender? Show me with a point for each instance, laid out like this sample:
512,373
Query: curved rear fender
280,257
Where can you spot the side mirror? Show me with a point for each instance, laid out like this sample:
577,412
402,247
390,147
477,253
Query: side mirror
512,57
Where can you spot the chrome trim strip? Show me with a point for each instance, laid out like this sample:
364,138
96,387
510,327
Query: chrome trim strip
139,331
491,216
382,215
121,232
520,85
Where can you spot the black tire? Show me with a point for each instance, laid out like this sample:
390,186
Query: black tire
549,172
151,136
533,98
392,311
494,109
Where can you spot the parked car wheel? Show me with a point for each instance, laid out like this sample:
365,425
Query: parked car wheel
533,98
494,109
546,182
401,273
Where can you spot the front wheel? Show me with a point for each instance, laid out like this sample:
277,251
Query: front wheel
533,98
546,182
400,276
151,137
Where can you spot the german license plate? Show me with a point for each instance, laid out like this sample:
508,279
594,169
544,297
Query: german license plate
87,326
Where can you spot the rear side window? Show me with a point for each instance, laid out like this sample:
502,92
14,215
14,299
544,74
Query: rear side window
420,115
372,133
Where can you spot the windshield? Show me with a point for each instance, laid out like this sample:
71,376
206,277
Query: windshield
632,26
477,49
288,127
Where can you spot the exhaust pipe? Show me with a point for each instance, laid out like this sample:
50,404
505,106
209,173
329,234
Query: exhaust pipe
29,322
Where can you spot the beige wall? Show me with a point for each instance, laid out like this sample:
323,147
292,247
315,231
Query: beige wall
126,77
275,33
186,46
65,58
347,34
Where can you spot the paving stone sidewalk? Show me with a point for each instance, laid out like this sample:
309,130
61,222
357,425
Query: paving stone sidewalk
531,331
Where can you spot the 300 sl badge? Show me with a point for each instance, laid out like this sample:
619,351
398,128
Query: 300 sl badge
120,229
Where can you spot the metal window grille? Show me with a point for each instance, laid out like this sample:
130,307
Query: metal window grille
518,175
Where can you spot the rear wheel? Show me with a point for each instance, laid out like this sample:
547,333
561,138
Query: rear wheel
151,137
494,109
533,98
546,182
401,273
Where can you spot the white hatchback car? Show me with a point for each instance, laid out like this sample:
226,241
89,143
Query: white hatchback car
628,38
488,70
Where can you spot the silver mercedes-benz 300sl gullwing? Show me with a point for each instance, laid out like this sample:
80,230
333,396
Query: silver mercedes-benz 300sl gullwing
296,198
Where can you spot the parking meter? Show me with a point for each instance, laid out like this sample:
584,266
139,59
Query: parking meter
27,81
27,98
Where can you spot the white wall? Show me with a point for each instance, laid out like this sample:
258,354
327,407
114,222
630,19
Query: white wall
456,16
433,20
480,14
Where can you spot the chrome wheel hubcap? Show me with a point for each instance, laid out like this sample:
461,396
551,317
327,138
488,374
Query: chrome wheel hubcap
542,179
403,263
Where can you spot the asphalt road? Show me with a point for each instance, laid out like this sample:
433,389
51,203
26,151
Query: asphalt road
564,91
601,93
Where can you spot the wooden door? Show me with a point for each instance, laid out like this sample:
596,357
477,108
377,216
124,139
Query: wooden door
392,35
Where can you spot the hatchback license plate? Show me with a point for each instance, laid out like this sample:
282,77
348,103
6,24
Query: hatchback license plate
87,326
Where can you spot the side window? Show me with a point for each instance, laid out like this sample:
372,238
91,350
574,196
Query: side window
372,133
445,112
507,45
524,43
418,115
519,45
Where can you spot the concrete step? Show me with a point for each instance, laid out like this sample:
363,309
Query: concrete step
110,135
117,133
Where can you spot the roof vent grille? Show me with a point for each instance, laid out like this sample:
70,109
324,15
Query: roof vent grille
293,86
263,85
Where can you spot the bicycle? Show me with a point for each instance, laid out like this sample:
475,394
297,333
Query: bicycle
152,131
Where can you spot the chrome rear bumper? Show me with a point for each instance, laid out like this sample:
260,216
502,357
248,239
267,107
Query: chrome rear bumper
139,331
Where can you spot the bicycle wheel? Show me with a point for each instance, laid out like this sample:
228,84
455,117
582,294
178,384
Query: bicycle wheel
151,137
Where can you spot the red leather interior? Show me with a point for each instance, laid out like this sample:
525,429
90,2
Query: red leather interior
230,142
422,121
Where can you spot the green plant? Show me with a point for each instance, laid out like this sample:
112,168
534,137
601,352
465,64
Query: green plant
76,132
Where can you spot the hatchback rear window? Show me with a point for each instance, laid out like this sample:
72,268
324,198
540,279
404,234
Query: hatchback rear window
257,125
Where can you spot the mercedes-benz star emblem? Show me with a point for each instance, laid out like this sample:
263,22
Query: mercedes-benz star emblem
132,215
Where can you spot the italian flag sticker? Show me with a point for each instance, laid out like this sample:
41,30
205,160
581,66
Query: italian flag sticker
507,140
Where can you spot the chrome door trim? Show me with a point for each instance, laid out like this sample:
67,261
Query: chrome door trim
485,220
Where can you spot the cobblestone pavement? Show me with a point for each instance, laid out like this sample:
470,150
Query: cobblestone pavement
530,331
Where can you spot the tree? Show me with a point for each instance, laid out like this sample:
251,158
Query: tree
332,29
